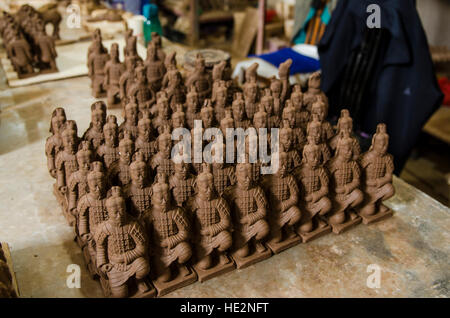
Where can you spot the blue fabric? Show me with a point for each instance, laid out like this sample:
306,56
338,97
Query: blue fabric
300,63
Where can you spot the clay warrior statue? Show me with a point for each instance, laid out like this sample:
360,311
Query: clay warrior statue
131,120
219,98
223,174
283,194
113,71
144,142
286,143
212,223
131,53
53,145
267,101
314,135
288,116
377,166
170,229
345,124
155,69
314,181
109,151
345,181
19,52
163,113
193,107
276,89
175,90
96,41
94,133
251,91
314,93
142,91
302,116
201,79
319,109
47,52
161,162
122,249
249,210
78,184
127,80
238,107
119,171
182,184
96,65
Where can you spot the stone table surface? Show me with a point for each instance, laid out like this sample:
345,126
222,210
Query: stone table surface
411,249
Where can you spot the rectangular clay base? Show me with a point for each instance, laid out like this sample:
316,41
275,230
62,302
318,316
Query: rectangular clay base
175,283
341,228
204,275
376,217
284,245
306,237
243,262
151,293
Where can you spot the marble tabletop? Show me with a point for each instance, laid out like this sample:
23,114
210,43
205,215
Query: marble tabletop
409,251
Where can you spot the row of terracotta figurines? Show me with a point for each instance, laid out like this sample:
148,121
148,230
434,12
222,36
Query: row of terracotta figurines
27,44
129,227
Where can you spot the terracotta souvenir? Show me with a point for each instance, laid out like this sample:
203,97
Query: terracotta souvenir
119,171
174,89
314,93
182,184
130,120
171,250
53,145
96,65
377,170
283,73
314,182
284,214
122,252
288,117
223,174
92,212
154,69
144,142
178,119
163,113
238,107
314,135
267,101
286,145
157,42
276,89
131,54
251,91
109,151
113,71
345,124
302,116
161,162
193,107
212,225
218,75
126,81
47,52
19,52
138,192
141,90
249,211
345,182
94,133
219,99
201,79
319,109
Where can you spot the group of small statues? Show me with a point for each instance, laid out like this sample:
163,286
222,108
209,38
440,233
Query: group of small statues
6,280
28,46
140,216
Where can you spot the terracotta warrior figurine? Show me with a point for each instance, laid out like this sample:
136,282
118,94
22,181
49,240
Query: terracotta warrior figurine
319,109
345,124
119,171
138,192
314,93
377,170
345,182
97,61
19,52
170,244
286,145
162,118
223,174
251,91
96,41
78,184
157,42
302,116
314,135
201,79
218,75
113,71
182,184
161,162
131,120
283,194
54,145
193,107
267,101
178,117
283,73
94,133
219,98
91,213
238,108
276,88
142,90
144,142
249,210
313,179
155,69
47,52
212,224
127,80
131,54
175,90
109,151
122,250
288,117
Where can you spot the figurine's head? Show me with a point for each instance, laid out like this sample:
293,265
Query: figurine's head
126,147
97,36
238,106
244,175
164,141
131,111
85,156
162,104
380,141
96,179
311,154
289,114
260,118
250,73
275,87
161,193
171,61
286,136
319,109
130,64
200,63
175,78
192,98
344,148
151,52
138,170
345,122
217,71
251,91
140,74
226,122
314,129
98,114
314,80
145,126
115,52
297,96
207,114
69,136
178,117
111,130
115,205
58,120
181,169
205,182
267,101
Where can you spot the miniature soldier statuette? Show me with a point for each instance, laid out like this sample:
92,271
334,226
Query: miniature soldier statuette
109,151
54,145
345,124
113,71
119,171
94,133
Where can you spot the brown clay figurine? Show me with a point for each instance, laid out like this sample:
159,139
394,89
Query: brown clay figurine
141,90
122,252
219,99
53,145
162,118
19,52
276,88
201,79
47,52
96,62
113,71
94,133
109,151
193,107
251,91
288,117
144,142
284,73
155,69
314,135
238,108
273,120
161,162
283,194
170,241
127,80
314,93
314,182
345,124
302,116
119,171
249,211
319,109
131,120
174,87
377,167
182,184
212,225
286,145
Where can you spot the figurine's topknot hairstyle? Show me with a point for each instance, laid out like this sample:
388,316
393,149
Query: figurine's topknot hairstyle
57,112
206,173
138,162
115,198
345,117
160,183
96,171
